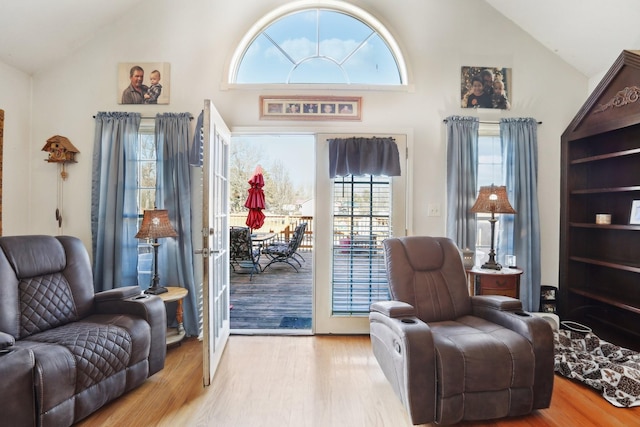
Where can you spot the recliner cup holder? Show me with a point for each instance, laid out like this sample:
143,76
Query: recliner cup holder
408,321
522,313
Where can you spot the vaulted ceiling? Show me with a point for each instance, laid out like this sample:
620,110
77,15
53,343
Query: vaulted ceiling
35,33
587,34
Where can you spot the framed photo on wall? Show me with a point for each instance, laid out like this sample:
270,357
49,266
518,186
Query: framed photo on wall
144,83
310,107
485,87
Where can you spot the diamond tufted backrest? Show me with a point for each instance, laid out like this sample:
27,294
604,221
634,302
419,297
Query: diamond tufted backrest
45,302
45,282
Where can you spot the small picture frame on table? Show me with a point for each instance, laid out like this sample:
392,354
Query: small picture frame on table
634,216
549,294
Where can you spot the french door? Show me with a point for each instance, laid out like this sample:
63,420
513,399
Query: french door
215,239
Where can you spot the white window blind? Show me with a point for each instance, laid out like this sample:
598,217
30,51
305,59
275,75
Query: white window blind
361,221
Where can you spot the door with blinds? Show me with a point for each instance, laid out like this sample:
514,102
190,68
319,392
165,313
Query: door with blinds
356,213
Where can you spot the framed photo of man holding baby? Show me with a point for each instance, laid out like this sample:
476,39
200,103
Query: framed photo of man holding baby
144,83
486,87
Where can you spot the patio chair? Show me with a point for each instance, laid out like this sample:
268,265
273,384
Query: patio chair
286,251
242,254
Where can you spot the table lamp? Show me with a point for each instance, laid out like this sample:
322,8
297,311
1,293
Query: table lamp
493,199
155,225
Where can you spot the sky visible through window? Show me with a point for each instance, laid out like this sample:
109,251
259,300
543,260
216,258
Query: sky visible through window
318,46
489,161
295,152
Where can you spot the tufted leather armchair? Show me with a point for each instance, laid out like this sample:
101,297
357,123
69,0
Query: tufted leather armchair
451,357
65,351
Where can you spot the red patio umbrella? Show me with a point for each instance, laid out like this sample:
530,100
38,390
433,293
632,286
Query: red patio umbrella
255,200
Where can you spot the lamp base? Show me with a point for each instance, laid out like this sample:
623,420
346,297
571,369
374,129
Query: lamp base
156,290
491,266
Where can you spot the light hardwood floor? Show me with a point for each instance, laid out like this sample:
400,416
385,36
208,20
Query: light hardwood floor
299,381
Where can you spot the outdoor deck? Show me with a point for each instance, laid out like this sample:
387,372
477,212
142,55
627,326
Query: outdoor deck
276,299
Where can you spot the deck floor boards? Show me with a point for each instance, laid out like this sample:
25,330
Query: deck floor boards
261,302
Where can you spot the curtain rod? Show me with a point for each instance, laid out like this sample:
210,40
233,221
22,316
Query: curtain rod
149,118
487,122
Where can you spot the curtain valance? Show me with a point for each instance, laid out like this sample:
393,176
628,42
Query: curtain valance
363,156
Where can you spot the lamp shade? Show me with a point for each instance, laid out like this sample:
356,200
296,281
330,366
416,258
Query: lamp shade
493,199
156,224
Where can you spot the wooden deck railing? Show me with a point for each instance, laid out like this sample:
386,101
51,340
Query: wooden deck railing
282,225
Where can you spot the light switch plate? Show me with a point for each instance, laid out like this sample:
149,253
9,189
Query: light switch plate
433,209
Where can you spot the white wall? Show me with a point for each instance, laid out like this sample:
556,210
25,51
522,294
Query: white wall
438,37
15,100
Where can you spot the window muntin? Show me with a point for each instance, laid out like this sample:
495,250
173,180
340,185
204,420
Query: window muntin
146,190
313,46
361,221
490,171
146,195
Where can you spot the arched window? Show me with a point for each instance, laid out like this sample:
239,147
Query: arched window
336,43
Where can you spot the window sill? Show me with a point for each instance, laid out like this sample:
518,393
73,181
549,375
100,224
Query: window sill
409,88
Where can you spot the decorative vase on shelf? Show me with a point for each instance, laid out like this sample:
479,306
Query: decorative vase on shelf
468,258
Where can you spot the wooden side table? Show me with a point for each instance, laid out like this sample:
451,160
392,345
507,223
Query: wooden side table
175,293
494,282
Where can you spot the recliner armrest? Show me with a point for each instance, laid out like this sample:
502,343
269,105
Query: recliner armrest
507,312
497,302
118,293
129,300
18,403
6,340
403,346
393,309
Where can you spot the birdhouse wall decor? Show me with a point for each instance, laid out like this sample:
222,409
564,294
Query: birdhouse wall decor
60,150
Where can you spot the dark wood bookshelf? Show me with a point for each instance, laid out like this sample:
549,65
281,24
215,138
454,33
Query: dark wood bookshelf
599,283
607,156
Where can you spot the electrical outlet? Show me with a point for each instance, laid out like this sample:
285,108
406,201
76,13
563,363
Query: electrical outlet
433,209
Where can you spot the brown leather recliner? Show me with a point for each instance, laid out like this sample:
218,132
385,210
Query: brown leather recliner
69,351
451,357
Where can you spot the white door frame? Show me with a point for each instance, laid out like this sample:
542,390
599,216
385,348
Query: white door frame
323,320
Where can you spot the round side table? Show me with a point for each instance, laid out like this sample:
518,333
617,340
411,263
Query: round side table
175,293
494,282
